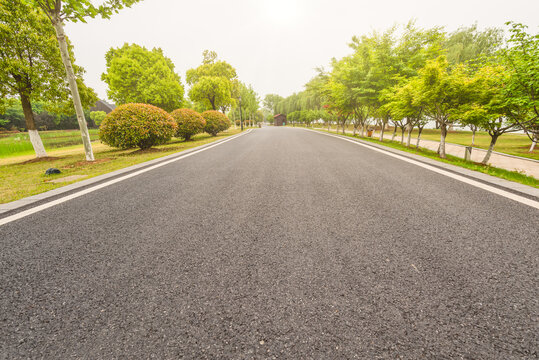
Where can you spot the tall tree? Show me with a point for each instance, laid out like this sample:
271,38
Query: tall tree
439,91
136,74
271,101
488,108
60,11
213,84
31,66
469,44
521,58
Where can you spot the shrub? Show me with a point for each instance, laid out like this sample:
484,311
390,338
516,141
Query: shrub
137,125
215,122
189,123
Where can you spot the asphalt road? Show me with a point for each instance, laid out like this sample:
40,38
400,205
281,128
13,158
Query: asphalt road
282,243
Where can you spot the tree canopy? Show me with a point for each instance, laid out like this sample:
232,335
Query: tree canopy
213,84
135,74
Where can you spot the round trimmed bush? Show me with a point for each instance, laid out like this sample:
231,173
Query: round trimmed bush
137,125
189,123
215,122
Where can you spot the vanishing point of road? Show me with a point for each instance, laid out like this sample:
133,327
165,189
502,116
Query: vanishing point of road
281,243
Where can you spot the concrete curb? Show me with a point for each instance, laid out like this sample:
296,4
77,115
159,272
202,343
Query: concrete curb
488,179
42,197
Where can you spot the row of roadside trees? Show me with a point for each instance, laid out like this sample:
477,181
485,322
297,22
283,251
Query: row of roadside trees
408,76
37,67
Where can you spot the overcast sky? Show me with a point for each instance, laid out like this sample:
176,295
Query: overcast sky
273,44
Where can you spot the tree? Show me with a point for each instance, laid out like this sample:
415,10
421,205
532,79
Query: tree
271,101
135,74
439,91
97,117
522,60
213,84
59,11
469,44
31,65
488,107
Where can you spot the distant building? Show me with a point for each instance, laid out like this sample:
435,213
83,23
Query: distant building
102,105
279,120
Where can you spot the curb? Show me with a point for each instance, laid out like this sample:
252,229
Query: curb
14,206
521,189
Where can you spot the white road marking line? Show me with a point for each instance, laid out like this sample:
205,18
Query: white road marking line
492,189
47,205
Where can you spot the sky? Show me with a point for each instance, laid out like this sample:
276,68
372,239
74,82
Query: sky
275,45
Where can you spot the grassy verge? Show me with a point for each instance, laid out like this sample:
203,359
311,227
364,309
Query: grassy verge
19,143
21,176
490,170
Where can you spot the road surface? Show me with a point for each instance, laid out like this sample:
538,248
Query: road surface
281,243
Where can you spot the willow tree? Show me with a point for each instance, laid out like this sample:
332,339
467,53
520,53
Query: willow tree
31,66
60,11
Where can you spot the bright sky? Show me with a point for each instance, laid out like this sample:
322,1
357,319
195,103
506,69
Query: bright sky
273,44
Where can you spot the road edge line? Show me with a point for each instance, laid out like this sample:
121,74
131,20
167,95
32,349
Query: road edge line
461,178
90,189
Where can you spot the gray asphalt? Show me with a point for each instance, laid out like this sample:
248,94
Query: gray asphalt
284,244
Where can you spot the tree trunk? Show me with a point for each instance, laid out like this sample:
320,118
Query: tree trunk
59,27
329,126
394,133
490,148
443,133
409,138
473,135
402,135
420,129
355,130
363,130
533,144
382,132
35,139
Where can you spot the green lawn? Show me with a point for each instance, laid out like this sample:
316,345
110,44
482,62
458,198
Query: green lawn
19,143
513,144
22,176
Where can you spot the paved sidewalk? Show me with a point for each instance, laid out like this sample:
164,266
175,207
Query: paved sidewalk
504,161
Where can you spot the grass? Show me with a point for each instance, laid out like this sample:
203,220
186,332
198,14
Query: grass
512,144
21,176
453,160
19,143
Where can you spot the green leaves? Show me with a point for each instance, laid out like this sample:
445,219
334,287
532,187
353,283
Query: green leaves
137,75
79,10
212,83
30,61
137,125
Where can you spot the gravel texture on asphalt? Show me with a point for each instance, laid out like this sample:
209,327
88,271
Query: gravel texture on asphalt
281,244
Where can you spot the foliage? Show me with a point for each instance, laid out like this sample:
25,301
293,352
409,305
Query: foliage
189,123
213,84
30,62
135,74
97,117
137,125
521,58
470,44
215,122
78,10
